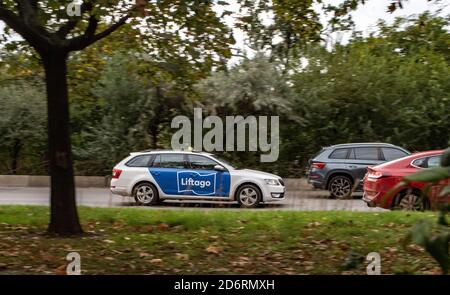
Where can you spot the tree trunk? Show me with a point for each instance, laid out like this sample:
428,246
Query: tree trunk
154,123
15,155
64,216
154,135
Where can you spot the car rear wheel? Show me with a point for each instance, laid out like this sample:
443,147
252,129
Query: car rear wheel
248,196
411,201
146,194
340,187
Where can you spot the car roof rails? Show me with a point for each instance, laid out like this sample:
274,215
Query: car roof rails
147,151
182,149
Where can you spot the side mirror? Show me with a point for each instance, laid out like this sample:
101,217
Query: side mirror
220,168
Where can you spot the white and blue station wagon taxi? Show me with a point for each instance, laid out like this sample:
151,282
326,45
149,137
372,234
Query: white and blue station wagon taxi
153,176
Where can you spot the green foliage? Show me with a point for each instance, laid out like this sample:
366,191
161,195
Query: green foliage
22,127
295,23
390,87
190,29
353,260
133,114
436,242
255,87
379,88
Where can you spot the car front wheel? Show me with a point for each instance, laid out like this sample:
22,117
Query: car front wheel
340,187
146,194
248,196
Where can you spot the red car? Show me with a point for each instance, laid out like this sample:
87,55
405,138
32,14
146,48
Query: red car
382,178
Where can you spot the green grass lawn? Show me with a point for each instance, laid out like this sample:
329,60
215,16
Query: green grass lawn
217,241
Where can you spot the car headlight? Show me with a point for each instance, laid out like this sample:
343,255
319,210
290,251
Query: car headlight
271,181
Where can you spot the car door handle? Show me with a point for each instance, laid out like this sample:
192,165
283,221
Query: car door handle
352,166
156,173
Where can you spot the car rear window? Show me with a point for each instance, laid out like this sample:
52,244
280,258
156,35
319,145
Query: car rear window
393,154
339,154
434,161
139,161
366,153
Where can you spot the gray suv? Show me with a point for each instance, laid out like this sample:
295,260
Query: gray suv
340,168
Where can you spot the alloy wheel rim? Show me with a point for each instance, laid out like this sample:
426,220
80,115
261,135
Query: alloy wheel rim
145,194
248,196
340,187
411,202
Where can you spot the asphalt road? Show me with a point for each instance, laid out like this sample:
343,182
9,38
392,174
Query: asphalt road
304,200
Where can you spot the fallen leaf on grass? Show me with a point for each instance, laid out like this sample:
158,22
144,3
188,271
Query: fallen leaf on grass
213,250
392,249
156,261
182,256
314,224
61,270
47,257
163,226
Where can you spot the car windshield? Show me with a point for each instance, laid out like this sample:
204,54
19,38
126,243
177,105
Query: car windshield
222,160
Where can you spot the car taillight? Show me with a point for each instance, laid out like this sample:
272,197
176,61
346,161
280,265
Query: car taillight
116,173
376,174
318,165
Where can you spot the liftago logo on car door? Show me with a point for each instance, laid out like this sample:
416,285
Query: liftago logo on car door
198,184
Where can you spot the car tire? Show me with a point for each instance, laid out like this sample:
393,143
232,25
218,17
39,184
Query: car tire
145,194
248,196
410,201
340,187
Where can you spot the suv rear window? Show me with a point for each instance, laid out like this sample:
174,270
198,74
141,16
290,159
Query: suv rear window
339,154
393,154
366,153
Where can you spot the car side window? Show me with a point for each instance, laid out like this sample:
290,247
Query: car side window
434,161
393,154
201,162
139,161
339,154
366,153
176,161
422,162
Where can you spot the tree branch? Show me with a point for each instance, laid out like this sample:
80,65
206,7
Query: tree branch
65,29
13,21
27,12
92,27
89,37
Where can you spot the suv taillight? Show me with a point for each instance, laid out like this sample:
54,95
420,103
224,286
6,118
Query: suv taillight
116,173
318,165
